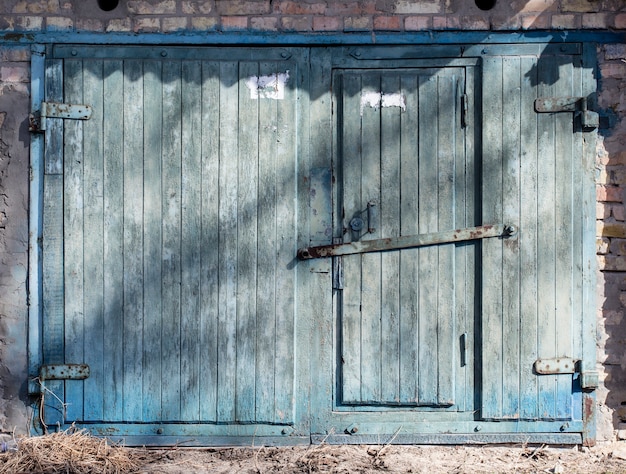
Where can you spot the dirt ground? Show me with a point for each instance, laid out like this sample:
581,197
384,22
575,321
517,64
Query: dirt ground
607,458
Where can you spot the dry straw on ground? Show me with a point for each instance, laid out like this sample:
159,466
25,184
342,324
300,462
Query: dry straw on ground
72,451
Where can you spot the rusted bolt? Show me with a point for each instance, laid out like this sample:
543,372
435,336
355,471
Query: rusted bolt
159,431
477,428
163,53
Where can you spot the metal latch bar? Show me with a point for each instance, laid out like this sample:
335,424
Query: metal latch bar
408,241
588,118
64,372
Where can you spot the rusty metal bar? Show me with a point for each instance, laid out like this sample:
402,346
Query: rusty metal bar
408,241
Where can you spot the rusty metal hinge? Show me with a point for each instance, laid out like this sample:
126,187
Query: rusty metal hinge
589,379
57,110
64,372
408,241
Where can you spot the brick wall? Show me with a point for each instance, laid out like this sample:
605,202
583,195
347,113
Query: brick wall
14,142
170,16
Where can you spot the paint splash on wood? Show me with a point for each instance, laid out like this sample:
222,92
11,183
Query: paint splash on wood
268,87
377,100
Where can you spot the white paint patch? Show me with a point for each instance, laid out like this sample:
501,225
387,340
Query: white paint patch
376,100
268,87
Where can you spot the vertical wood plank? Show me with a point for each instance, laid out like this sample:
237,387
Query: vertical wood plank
171,241
152,238
528,239
350,159
511,76
265,382
428,203
53,292
492,344
285,248
53,336
73,221
247,192
113,131
409,283
53,145
371,299
94,242
133,240
210,239
390,136
191,370
227,324
564,236
546,232
446,117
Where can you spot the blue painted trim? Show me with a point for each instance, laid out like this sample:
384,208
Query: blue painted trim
35,223
281,38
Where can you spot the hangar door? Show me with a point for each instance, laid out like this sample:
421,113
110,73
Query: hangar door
169,224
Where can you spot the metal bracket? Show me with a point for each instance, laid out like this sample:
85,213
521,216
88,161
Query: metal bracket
590,120
559,365
64,372
408,241
57,110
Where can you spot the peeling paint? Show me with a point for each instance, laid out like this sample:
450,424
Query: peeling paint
376,100
268,87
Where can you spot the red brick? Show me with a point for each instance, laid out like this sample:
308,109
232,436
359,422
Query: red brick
611,229
267,23
300,8
146,25
325,23
234,22
203,23
619,212
620,21
87,24
34,6
596,20
603,210
145,7
417,23
389,23
297,23
611,263
119,24
15,73
440,23
535,21
29,23
602,245
564,22
581,6
12,54
172,24
242,7
358,23
609,193
194,8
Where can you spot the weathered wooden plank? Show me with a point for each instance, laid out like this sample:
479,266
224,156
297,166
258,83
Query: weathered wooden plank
191,231
171,241
133,295
73,222
285,247
152,238
511,136
53,292
210,239
492,343
113,272
350,162
528,239
409,283
247,213
53,155
227,324
322,302
369,173
94,242
266,257
564,189
427,273
546,232
389,213
446,201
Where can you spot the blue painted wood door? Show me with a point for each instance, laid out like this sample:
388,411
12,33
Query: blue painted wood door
406,168
169,228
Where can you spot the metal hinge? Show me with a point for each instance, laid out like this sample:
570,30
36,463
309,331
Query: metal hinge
57,110
64,372
588,119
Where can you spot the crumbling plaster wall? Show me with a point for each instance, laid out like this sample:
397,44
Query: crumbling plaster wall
19,19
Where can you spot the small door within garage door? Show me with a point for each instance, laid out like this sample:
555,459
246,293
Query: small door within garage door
406,169
169,227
